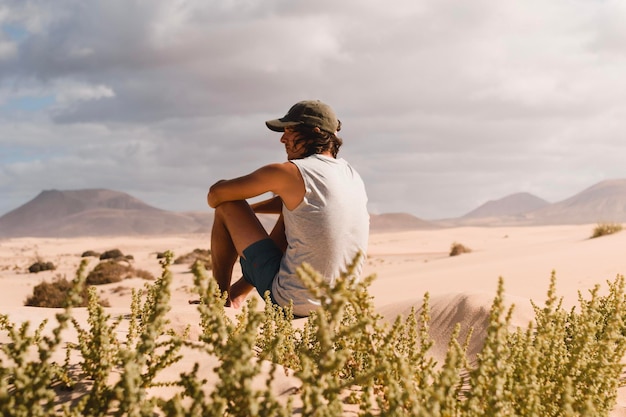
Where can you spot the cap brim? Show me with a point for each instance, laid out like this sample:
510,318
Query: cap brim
279,125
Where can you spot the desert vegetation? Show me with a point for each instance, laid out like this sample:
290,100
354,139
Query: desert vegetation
54,294
457,249
603,229
40,265
115,270
108,272
565,363
196,255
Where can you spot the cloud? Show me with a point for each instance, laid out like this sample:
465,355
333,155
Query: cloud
444,105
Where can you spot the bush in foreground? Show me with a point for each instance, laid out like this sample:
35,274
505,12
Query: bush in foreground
604,229
566,363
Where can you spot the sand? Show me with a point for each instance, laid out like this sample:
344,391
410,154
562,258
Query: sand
406,264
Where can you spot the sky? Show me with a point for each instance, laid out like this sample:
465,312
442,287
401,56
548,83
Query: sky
444,104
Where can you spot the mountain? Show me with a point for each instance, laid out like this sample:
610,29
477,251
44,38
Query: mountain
600,203
96,212
100,212
511,205
604,202
390,222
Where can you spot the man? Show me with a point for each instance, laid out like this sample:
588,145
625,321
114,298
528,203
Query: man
323,218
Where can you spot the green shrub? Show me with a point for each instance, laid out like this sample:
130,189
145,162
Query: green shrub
458,249
565,363
108,272
604,229
41,266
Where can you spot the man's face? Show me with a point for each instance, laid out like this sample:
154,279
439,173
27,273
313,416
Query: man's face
293,148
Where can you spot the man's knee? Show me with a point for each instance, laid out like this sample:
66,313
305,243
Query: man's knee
228,208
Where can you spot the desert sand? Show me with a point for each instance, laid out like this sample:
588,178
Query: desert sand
406,264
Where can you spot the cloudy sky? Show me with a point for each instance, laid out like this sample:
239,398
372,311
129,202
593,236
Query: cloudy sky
445,104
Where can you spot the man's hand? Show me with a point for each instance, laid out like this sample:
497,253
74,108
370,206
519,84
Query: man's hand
211,196
273,205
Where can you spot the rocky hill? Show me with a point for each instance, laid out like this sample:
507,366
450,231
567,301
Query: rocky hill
391,222
604,202
600,203
511,205
96,212
100,212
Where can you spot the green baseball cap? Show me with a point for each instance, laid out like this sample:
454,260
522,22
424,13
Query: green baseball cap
312,113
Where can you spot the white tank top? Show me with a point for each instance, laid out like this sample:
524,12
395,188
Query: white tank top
327,229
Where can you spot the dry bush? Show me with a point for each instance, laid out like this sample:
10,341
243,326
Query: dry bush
112,254
604,229
108,272
197,255
90,253
55,294
458,249
143,274
41,266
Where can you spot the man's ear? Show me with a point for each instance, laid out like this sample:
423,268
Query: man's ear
317,130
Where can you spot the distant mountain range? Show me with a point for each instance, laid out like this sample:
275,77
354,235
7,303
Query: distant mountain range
603,202
99,212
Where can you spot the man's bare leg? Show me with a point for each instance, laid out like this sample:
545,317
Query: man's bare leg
235,227
241,288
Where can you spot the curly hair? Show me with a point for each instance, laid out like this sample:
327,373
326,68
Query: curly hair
316,141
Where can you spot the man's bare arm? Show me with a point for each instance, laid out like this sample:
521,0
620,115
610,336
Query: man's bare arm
281,179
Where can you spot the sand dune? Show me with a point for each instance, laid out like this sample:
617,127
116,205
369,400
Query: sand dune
407,265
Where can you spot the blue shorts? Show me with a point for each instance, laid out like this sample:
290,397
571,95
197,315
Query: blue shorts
260,264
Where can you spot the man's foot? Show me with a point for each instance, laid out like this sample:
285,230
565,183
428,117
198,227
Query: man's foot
238,292
228,302
237,302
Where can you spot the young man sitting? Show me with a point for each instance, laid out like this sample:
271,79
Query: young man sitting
323,218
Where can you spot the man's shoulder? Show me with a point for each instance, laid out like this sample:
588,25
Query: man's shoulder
279,167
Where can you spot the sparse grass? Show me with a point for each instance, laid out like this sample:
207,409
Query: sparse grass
603,229
565,363
458,249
